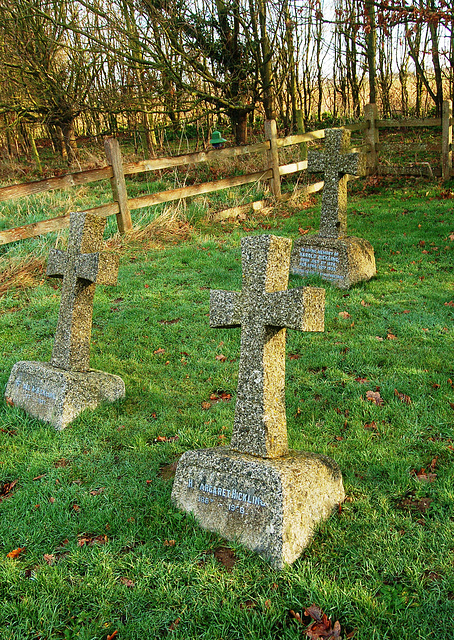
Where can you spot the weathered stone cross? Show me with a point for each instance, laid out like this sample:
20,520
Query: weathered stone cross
82,266
337,164
264,309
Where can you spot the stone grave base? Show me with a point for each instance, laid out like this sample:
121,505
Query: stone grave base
58,396
271,506
342,261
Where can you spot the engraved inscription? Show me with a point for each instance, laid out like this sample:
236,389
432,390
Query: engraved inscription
321,261
236,500
29,390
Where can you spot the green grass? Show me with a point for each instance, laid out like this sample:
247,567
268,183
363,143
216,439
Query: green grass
384,565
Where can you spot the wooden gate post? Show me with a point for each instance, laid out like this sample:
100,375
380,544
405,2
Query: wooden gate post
273,157
371,137
446,140
118,184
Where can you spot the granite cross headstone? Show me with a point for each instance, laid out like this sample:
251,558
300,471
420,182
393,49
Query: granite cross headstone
58,391
258,491
332,254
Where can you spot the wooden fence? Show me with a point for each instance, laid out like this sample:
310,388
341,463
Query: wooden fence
272,171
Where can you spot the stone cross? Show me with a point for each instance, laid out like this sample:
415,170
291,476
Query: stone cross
337,164
82,267
264,309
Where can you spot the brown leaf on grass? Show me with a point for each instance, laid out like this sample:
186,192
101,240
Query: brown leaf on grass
169,543
344,314
402,397
61,463
374,396
89,541
159,351
112,635
451,236
322,626
15,552
391,336
220,395
294,356
423,476
449,304
361,380
365,304
371,425
166,438
221,358
51,499
96,492
43,475
127,582
302,231
169,321
225,556
49,558
9,432
6,489
379,338
9,401
206,405
174,624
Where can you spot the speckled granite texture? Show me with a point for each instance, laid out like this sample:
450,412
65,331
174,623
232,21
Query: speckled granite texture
58,396
271,506
58,391
81,267
263,309
331,254
257,491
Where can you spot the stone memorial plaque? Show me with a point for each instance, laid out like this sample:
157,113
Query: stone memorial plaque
324,262
58,391
336,257
257,491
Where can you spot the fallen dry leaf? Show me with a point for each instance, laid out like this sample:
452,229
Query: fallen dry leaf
15,553
361,380
174,624
221,358
166,438
365,304
374,396
169,543
371,425
302,231
6,489
402,397
159,351
379,338
294,356
423,476
206,405
127,582
344,314
9,401
49,558
96,492
88,540
112,635
391,336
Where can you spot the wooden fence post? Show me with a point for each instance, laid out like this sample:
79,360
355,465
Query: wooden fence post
446,140
273,157
118,184
371,137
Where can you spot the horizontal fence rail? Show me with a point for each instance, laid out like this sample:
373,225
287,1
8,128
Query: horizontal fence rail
272,172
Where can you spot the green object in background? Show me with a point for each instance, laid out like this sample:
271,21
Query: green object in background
217,139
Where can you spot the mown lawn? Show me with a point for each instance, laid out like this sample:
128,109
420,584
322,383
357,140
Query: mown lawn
103,550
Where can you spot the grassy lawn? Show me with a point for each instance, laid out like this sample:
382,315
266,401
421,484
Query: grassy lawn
103,551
